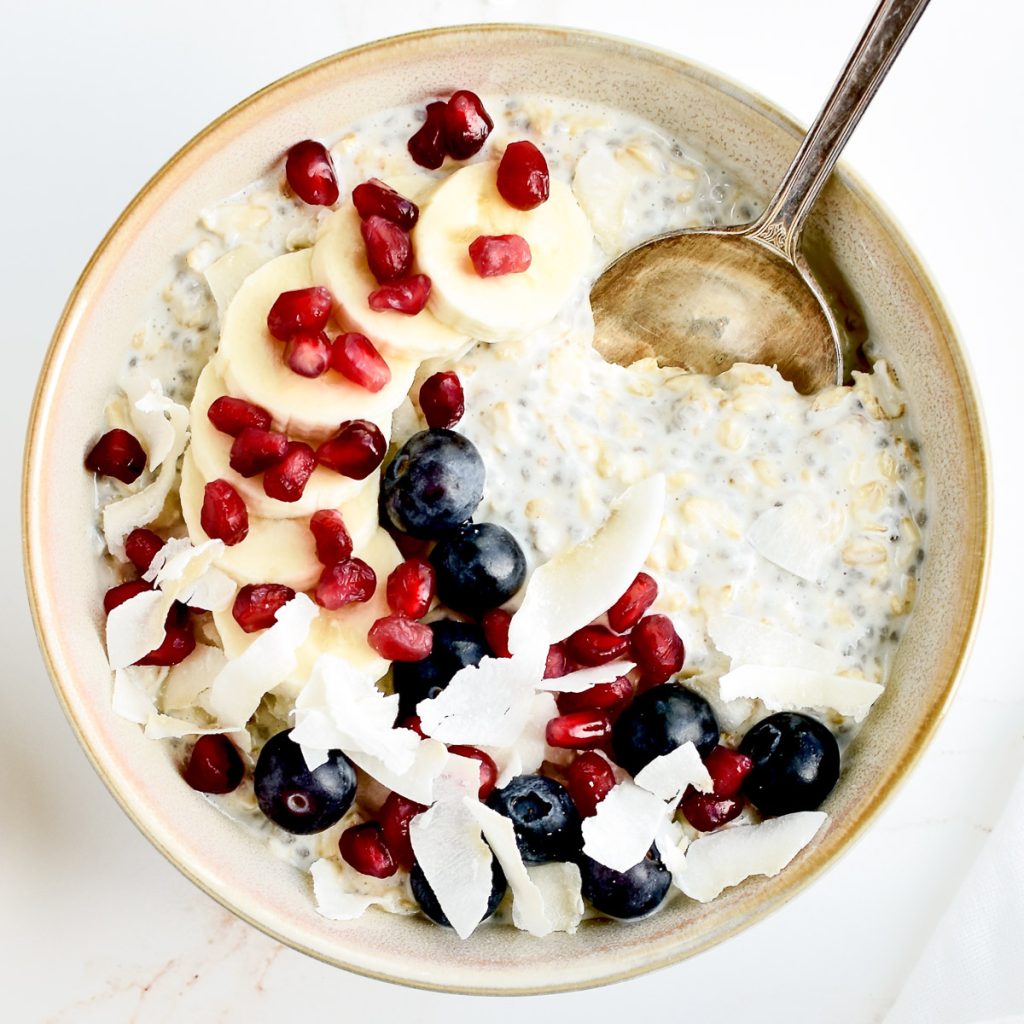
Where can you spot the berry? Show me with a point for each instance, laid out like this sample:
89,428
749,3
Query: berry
495,625
256,450
660,720
727,768
257,604
286,479
433,485
117,595
395,814
388,249
400,639
589,780
706,811
523,178
497,255
141,545
308,353
333,543
178,643
629,609
796,763
595,645
299,800
373,197
579,730
118,454
348,582
478,568
232,415
410,588
545,820
425,897
214,766
556,664
415,724
466,124
456,645
626,895
442,400
354,356
488,769
608,697
310,173
364,848
406,295
355,451
427,147
224,515
306,309
656,648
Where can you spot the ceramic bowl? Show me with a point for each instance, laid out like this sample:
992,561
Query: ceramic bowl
903,316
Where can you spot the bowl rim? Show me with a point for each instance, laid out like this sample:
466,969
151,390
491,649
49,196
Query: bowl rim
796,881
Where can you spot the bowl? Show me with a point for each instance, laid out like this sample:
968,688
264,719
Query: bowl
866,252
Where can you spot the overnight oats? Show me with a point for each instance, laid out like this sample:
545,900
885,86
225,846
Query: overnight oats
453,615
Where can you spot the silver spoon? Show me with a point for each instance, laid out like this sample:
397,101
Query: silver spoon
708,298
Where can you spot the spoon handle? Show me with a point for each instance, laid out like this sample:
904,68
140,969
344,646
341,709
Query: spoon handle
780,225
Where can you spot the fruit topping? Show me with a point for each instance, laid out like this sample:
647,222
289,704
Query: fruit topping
466,124
365,849
388,249
118,454
546,822
488,769
117,595
400,639
355,451
224,515
579,730
497,255
256,605
626,895
442,400
609,697
629,609
727,768
140,546
478,568
523,178
333,543
354,356
348,582
589,780
305,309
310,173
214,765
375,198
707,811
656,648
410,588
178,643
427,146
308,353
596,645
495,625
287,478
232,415
255,450
406,295
395,814
425,897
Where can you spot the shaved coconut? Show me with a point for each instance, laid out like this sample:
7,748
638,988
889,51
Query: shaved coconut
792,537
577,585
135,691
585,678
334,889
672,843
419,782
721,859
560,886
668,776
790,689
747,642
225,275
191,677
314,756
528,913
530,749
136,627
267,661
624,826
187,571
163,727
148,410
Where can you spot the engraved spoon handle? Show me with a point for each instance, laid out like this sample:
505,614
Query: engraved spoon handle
780,225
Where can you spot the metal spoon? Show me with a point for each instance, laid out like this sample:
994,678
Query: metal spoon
708,298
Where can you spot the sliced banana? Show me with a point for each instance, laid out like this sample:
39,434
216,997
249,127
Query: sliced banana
225,275
512,306
339,263
212,451
253,367
276,550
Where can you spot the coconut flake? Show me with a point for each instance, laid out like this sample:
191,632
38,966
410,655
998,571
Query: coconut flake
792,537
624,826
420,781
163,727
560,886
672,843
188,679
668,776
748,642
225,275
585,678
187,571
148,409
722,859
530,748
135,690
577,585
790,689
338,902
136,627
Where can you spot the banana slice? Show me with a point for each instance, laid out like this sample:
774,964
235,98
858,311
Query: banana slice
212,450
510,307
253,367
339,263
276,550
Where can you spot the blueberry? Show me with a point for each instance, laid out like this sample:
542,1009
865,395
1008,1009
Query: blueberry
545,820
626,894
425,897
796,763
297,799
658,721
433,485
478,568
456,645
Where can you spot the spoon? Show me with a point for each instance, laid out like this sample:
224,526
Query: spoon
705,299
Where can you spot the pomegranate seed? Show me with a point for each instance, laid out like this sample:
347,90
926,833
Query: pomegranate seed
409,547
400,639
595,645
333,543
306,309
310,173
497,255
408,295
348,582
364,848
354,356
579,730
122,592
609,697
656,648
224,515
388,249
488,769
179,642
442,400
706,811
413,722
410,588
257,604
214,766
287,478
395,814
427,146
141,545
466,124
629,609
523,178
589,780
557,663
232,415
118,454
255,450
374,198
355,451
727,768
308,353
495,624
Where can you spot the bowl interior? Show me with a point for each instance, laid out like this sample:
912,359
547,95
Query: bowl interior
904,318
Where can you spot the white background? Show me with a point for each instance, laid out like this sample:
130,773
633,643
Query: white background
94,924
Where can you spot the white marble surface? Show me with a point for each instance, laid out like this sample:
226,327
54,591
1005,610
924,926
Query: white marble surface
94,924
